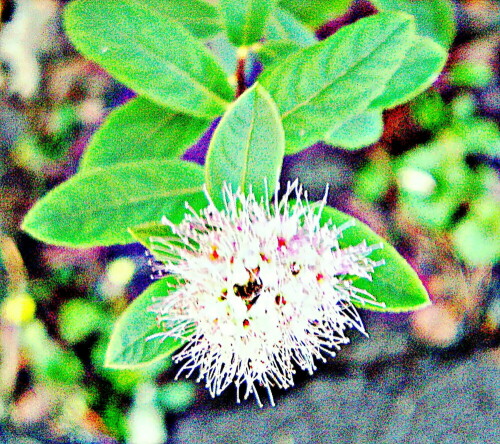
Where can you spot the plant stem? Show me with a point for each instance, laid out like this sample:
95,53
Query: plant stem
240,71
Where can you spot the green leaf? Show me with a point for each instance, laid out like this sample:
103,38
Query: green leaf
284,26
197,16
96,207
316,12
153,236
360,131
337,78
247,147
225,52
141,130
143,233
421,67
276,50
150,53
434,18
395,284
246,19
129,346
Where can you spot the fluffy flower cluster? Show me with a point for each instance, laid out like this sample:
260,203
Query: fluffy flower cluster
261,288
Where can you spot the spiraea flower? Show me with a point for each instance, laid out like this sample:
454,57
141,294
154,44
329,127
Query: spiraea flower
261,290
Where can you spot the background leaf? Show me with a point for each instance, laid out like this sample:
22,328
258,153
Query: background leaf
128,346
150,53
246,19
360,131
396,284
141,130
434,18
420,68
152,236
316,12
96,207
283,25
143,233
276,50
344,74
225,52
247,146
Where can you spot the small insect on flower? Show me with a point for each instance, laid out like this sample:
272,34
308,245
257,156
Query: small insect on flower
261,289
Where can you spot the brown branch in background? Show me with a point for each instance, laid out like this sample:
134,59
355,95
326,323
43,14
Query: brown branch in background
242,55
240,76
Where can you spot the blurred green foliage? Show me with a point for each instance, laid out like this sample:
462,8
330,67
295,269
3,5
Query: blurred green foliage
445,184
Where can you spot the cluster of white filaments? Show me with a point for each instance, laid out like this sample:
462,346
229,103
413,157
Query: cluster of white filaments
261,288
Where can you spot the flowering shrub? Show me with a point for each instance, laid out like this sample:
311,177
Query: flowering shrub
250,288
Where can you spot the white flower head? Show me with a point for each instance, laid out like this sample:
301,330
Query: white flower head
262,288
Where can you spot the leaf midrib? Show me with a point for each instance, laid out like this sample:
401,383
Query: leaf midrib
248,143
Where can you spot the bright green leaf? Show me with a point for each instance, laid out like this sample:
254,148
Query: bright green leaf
395,284
421,67
198,16
246,19
143,233
337,78
129,346
152,236
141,130
358,132
96,207
276,50
247,147
284,26
316,12
150,53
225,52
434,18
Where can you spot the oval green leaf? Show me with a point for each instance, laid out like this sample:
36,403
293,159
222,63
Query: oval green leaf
247,147
276,50
141,130
343,73
153,235
129,346
358,132
284,26
316,12
150,53
395,284
434,18
96,207
246,19
198,16
420,68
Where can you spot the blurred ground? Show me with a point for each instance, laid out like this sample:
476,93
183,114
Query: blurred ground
429,377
